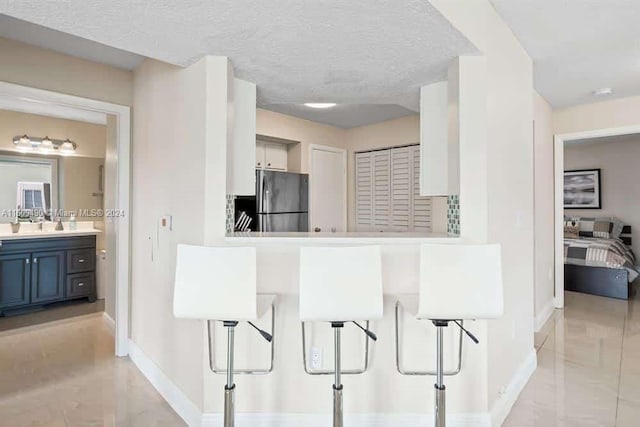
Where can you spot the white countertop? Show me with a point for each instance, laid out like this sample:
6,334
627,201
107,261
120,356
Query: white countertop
31,231
48,234
342,237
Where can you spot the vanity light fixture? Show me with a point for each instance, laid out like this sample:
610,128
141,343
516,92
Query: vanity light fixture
67,147
44,145
23,143
321,105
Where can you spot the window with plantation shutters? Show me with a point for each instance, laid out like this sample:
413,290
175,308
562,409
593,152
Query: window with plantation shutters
387,191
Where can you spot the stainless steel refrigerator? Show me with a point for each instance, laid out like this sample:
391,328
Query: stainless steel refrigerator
282,201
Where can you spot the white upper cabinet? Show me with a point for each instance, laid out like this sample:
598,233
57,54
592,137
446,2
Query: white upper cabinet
434,140
260,155
241,176
275,156
271,155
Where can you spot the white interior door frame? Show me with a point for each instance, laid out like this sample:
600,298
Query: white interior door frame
312,148
558,178
123,231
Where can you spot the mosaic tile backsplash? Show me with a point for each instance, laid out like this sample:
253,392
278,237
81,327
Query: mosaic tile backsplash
230,213
453,215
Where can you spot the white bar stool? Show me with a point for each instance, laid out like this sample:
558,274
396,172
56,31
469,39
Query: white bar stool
340,285
457,282
218,283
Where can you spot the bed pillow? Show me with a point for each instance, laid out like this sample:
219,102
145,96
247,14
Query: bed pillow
571,232
604,228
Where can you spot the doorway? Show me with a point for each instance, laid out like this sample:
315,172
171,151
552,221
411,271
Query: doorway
559,163
119,224
327,189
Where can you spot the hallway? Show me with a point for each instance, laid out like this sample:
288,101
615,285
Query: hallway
66,375
588,367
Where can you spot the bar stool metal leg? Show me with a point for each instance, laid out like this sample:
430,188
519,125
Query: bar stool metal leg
440,390
337,386
229,388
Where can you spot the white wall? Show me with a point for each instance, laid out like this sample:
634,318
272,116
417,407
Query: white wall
31,66
89,137
599,115
509,182
169,152
544,209
78,181
619,177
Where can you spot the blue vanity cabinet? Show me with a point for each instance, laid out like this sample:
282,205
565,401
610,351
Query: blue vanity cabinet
37,272
15,271
47,276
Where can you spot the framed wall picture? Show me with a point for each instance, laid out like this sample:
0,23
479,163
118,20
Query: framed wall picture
582,189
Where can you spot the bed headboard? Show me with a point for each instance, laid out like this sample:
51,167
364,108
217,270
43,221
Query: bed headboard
625,236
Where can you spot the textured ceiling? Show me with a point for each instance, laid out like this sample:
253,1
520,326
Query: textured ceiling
354,52
345,115
578,46
52,110
26,32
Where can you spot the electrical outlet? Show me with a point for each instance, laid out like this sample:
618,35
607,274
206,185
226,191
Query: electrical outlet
316,358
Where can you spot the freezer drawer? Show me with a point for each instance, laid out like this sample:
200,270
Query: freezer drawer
283,222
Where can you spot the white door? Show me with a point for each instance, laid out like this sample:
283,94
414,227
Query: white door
328,189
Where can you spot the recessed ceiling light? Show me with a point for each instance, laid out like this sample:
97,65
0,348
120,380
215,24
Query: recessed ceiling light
605,91
320,104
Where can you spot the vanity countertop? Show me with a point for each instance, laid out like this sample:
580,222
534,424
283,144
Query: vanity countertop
47,234
31,231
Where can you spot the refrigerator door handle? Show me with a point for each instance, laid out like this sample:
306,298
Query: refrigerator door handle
267,203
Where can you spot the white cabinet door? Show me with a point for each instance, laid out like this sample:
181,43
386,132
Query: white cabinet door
364,191
381,189
260,155
275,156
327,189
401,180
421,205
241,176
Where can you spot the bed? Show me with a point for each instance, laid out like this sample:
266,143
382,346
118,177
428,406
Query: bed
599,260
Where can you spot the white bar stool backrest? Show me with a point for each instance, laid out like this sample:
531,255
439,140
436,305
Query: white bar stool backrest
215,283
340,283
461,282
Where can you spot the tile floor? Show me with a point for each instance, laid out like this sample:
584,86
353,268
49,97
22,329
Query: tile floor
588,367
65,374
52,312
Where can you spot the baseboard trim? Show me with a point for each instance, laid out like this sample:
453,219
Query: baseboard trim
192,415
502,406
544,315
352,420
111,324
175,397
